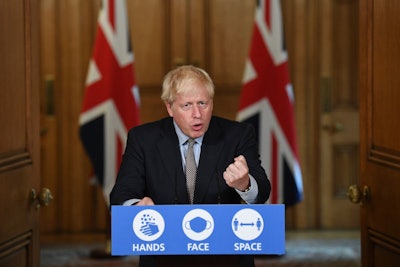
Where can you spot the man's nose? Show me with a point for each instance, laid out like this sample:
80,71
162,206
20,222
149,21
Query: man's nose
195,111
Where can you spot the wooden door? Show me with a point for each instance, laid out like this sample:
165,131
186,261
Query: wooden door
339,113
19,134
380,131
67,30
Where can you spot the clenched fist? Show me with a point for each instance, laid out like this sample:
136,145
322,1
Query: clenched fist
236,174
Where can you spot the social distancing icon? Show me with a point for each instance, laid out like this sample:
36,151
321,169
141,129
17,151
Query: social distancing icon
247,224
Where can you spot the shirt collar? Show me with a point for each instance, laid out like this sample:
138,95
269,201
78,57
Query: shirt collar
183,138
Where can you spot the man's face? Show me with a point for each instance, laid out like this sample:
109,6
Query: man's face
192,110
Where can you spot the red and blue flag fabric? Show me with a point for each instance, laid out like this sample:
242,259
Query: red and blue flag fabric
267,102
111,101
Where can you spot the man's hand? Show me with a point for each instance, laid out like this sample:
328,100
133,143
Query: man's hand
236,174
146,201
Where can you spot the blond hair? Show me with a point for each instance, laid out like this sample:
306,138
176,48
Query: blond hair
173,80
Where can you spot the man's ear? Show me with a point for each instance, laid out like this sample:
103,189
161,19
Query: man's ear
169,109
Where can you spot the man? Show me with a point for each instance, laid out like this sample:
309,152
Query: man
226,154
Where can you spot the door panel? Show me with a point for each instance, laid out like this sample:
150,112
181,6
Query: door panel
339,113
380,131
19,134
229,29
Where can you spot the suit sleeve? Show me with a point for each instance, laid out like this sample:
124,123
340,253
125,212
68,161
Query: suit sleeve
130,182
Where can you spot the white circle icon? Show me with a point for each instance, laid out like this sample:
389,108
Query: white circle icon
247,224
148,225
198,224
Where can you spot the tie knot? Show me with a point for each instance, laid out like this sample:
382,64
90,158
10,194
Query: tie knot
191,142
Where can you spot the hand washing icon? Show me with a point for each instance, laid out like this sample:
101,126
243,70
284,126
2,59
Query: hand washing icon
198,224
148,225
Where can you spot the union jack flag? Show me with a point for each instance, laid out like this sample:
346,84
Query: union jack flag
267,102
111,101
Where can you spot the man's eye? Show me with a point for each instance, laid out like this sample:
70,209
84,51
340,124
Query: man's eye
202,104
186,106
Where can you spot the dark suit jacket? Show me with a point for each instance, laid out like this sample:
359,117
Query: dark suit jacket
152,164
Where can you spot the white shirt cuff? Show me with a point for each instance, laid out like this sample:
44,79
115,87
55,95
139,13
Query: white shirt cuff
130,202
250,196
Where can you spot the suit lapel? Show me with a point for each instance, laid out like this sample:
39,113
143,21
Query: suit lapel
171,160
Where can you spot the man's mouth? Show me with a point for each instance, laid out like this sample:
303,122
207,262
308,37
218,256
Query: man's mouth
197,127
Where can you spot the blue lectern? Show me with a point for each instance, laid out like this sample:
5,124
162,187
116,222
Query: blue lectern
198,229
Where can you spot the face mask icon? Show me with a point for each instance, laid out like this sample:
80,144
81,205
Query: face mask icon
198,224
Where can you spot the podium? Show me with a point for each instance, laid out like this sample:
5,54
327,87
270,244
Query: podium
247,229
